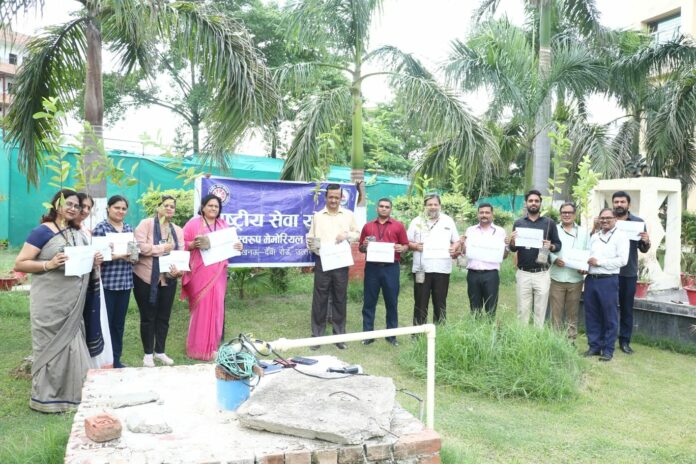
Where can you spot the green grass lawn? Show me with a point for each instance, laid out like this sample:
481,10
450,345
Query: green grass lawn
634,409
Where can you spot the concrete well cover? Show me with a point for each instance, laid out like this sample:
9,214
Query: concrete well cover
339,409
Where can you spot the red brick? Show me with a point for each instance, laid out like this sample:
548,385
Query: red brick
325,456
377,452
432,459
102,427
351,455
415,444
298,457
278,458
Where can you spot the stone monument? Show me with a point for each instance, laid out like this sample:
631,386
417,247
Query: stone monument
648,194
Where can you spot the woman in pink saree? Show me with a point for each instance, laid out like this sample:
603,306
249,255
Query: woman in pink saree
205,286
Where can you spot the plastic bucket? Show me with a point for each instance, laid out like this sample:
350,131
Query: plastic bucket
231,393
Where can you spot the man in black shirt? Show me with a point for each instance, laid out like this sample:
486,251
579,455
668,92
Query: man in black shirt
533,277
628,276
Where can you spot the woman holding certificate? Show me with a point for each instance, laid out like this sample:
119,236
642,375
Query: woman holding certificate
154,288
205,286
117,274
56,306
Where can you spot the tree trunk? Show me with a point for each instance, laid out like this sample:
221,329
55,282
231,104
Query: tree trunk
94,113
542,143
358,155
196,132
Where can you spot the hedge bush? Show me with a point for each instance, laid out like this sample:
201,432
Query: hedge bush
184,203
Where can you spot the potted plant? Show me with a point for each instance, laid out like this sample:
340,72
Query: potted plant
7,280
691,295
643,283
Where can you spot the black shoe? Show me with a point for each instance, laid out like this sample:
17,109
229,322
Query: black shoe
341,346
589,353
119,365
392,342
626,348
368,342
605,357
314,347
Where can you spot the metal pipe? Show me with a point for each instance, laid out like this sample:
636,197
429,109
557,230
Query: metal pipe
284,344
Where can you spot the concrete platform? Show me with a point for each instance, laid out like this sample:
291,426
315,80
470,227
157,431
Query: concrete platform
202,433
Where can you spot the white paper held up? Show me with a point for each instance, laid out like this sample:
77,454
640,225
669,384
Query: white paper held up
632,229
486,251
576,259
335,255
80,260
120,241
436,246
380,252
221,246
529,238
178,258
103,245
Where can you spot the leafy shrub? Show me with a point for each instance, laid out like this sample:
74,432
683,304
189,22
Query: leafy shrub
455,205
279,279
184,203
503,218
551,212
688,230
501,358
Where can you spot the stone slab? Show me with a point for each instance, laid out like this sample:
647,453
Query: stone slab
335,407
201,432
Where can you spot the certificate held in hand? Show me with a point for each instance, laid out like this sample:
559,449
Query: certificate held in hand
335,255
529,238
221,246
380,252
488,252
576,259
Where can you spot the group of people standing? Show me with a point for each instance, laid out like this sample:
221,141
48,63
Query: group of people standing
78,322
543,277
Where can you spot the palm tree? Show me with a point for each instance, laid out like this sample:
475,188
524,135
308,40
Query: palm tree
341,27
500,58
652,82
580,16
69,56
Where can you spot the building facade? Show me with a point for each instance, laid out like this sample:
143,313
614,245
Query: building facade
12,53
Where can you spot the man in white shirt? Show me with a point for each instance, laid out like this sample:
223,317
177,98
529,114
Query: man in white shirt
434,240
609,250
482,279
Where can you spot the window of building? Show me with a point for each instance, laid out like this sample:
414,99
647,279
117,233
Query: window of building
13,58
10,85
665,29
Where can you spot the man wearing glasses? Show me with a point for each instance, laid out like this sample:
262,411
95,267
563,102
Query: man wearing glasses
609,249
566,281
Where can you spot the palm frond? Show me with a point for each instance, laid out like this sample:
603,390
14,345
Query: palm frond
632,70
399,61
129,28
669,137
296,77
339,25
498,57
10,9
54,67
576,70
594,140
318,115
240,84
485,8
583,15
625,145
452,128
